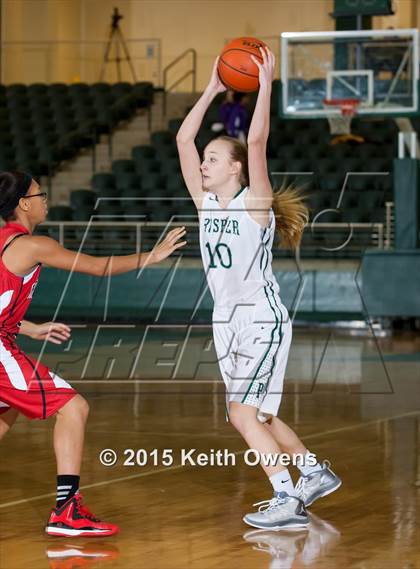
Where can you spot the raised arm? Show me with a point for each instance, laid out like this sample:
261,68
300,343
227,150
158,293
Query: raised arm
260,190
188,154
27,252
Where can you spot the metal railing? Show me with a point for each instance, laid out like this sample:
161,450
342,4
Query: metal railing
389,225
190,72
121,237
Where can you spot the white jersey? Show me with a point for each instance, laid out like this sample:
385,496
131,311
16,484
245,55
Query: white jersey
236,252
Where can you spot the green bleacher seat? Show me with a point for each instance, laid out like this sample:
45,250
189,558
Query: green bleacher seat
383,183
121,88
100,87
354,164
83,213
123,166
136,211
60,213
176,185
139,153
299,165
37,89
166,152
371,200
124,107
16,89
174,125
124,180
378,165
328,166
107,192
103,180
82,198
132,192
144,167
275,165
170,166
153,182
332,182
352,213
110,211
360,183
162,138
204,137
143,93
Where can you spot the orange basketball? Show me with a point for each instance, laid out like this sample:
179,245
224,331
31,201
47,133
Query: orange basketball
236,69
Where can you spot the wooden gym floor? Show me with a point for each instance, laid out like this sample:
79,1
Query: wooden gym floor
362,416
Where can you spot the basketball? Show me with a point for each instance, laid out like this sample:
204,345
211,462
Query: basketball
236,69
208,300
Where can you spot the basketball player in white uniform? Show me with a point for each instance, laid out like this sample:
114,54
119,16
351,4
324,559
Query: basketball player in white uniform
252,330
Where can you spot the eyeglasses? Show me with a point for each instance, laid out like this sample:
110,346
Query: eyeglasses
44,196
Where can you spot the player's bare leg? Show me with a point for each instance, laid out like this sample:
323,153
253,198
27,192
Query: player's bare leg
287,439
284,510
244,419
69,434
7,420
70,518
316,480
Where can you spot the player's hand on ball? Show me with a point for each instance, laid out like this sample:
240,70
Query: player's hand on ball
170,244
54,332
266,68
215,84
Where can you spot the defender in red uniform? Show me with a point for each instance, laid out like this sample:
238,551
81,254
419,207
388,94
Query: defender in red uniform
27,386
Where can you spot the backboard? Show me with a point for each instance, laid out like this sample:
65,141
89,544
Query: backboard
378,67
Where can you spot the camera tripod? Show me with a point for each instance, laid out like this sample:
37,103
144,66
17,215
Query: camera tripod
116,37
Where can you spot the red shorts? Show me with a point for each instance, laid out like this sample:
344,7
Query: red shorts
29,386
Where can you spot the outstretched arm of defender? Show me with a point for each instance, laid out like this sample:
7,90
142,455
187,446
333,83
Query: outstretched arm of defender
32,250
188,155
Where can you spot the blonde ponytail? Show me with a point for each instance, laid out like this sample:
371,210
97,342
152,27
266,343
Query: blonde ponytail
291,215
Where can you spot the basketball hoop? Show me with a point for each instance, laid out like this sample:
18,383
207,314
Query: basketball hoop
340,124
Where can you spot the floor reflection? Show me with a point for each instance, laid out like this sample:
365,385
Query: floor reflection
72,556
289,547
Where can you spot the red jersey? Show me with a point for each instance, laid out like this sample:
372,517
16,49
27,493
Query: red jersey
15,292
25,384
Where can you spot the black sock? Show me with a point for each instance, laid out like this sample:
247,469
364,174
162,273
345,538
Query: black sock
67,486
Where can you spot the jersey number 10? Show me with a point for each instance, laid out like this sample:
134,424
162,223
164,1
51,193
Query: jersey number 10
221,254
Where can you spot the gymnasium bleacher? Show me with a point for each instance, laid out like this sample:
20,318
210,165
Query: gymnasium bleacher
149,186
42,125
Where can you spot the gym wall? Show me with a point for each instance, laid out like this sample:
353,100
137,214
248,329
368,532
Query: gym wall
180,24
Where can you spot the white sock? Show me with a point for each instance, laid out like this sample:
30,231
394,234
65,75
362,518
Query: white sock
307,467
282,482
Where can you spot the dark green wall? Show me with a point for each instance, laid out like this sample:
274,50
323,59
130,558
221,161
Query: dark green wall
391,282
159,293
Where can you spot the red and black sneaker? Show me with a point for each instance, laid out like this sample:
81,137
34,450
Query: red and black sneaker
73,519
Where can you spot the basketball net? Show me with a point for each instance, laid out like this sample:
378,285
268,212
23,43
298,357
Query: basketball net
340,124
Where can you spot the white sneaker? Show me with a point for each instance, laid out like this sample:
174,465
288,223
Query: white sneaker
281,512
317,485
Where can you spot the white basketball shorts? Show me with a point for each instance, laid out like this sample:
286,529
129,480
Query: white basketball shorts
252,345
